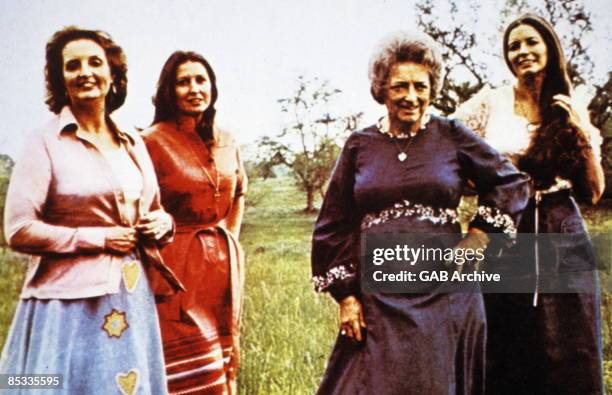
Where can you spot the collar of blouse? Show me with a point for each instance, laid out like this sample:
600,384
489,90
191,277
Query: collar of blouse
383,126
69,123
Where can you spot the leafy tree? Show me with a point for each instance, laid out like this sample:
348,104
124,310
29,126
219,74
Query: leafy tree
6,166
471,54
256,169
310,140
464,74
601,114
601,105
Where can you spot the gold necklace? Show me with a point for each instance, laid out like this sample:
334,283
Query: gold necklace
213,184
522,109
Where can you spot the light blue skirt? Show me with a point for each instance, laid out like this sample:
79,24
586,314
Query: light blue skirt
103,345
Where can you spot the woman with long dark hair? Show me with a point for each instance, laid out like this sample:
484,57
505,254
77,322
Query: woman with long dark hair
83,201
547,341
202,183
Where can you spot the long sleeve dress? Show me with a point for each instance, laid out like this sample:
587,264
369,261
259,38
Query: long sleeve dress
200,327
553,346
417,343
85,313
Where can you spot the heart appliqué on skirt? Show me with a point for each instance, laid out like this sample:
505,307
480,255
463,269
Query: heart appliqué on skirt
128,382
131,275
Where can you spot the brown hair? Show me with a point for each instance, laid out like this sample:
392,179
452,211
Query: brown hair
164,100
56,95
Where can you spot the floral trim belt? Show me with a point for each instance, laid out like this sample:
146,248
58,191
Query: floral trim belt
398,210
489,217
438,216
495,218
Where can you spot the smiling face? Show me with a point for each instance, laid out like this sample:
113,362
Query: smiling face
407,94
526,51
86,72
193,88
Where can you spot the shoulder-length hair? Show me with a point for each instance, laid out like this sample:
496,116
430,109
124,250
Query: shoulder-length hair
56,95
404,47
557,149
166,108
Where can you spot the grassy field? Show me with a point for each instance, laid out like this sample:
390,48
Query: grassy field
288,330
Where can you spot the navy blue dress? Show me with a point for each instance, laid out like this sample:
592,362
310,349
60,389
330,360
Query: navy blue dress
554,347
427,343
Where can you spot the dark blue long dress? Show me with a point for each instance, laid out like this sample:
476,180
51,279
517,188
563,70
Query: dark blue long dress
427,343
555,346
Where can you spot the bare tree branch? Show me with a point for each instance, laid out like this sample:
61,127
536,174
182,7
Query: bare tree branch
309,142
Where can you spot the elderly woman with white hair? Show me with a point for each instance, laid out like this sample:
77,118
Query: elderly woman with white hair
406,175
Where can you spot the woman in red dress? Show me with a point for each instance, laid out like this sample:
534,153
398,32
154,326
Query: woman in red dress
202,184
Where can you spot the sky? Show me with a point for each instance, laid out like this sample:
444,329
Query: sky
257,49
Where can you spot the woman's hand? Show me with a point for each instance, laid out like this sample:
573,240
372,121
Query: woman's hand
120,240
594,178
475,239
155,224
351,318
575,119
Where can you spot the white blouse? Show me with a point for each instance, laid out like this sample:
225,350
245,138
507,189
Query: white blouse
490,113
129,177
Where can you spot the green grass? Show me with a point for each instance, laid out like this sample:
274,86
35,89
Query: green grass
288,330
12,272
599,219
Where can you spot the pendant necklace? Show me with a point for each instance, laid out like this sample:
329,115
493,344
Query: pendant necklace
214,185
384,127
523,112
402,155
195,139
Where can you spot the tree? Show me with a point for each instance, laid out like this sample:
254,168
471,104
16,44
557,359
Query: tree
471,53
310,140
601,105
464,74
256,169
6,167
601,114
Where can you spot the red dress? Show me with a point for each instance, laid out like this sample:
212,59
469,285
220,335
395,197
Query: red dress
200,327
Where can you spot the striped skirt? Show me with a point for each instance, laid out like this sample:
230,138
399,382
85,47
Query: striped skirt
103,345
198,363
199,346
